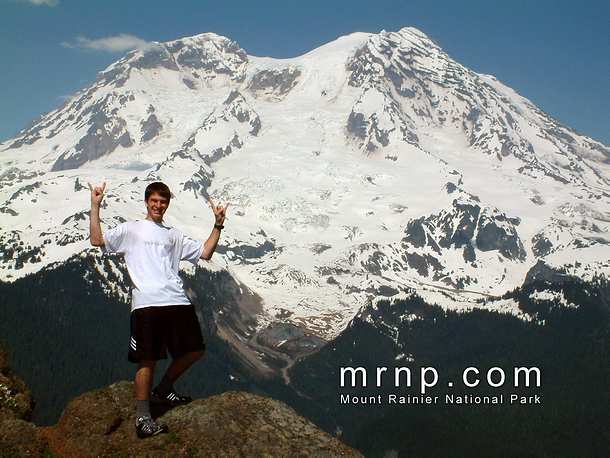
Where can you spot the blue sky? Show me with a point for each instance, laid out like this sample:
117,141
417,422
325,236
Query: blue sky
556,53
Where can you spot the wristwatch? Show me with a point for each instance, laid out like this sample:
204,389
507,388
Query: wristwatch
218,226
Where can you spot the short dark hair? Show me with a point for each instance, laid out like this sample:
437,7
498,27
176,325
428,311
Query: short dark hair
159,188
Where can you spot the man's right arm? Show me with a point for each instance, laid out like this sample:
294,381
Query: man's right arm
95,230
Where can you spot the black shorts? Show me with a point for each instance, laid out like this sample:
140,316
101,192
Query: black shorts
156,329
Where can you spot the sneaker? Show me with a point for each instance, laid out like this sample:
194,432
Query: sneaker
172,398
146,427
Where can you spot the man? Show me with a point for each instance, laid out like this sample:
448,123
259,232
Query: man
162,317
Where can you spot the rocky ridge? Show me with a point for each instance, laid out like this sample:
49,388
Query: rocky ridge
100,423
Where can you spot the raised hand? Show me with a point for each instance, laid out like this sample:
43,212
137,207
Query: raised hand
219,211
97,194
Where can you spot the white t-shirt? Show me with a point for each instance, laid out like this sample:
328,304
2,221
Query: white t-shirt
153,252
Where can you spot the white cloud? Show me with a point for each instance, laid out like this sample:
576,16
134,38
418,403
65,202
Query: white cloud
43,2
66,97
115,43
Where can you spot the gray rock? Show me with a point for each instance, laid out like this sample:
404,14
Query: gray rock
248,252
78,186
199,183
237,107
27,189
189,83
224,57
320,248
416,235
150,128
8,210
467,216
103,137
154,56
289,338
356,125
79,216
424,264
456,228
492,237
117,76
274,83
376,263
469,253
543,272
386,291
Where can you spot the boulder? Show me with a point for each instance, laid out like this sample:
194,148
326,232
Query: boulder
234,423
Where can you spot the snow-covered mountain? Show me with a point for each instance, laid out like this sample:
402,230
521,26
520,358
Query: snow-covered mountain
366,168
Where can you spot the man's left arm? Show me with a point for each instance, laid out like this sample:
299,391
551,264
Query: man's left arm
210,244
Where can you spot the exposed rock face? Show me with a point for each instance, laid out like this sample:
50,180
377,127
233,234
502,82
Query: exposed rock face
101,423
424,264
156,55
288,338
211,55
546,273
396,66
493,236
18,437
467,225
104,135
15,396
231,125
150,128
199,182
541,245
207,55
236,107
372,128
274,84
248,253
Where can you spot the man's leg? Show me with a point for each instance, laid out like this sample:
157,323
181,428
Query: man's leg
145,425
186,345
177,368
145,350
142,385
143,379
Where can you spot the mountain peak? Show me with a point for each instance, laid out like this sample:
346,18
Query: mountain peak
200,38
387,118
411,33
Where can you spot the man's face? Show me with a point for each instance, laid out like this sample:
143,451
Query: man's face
156,206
